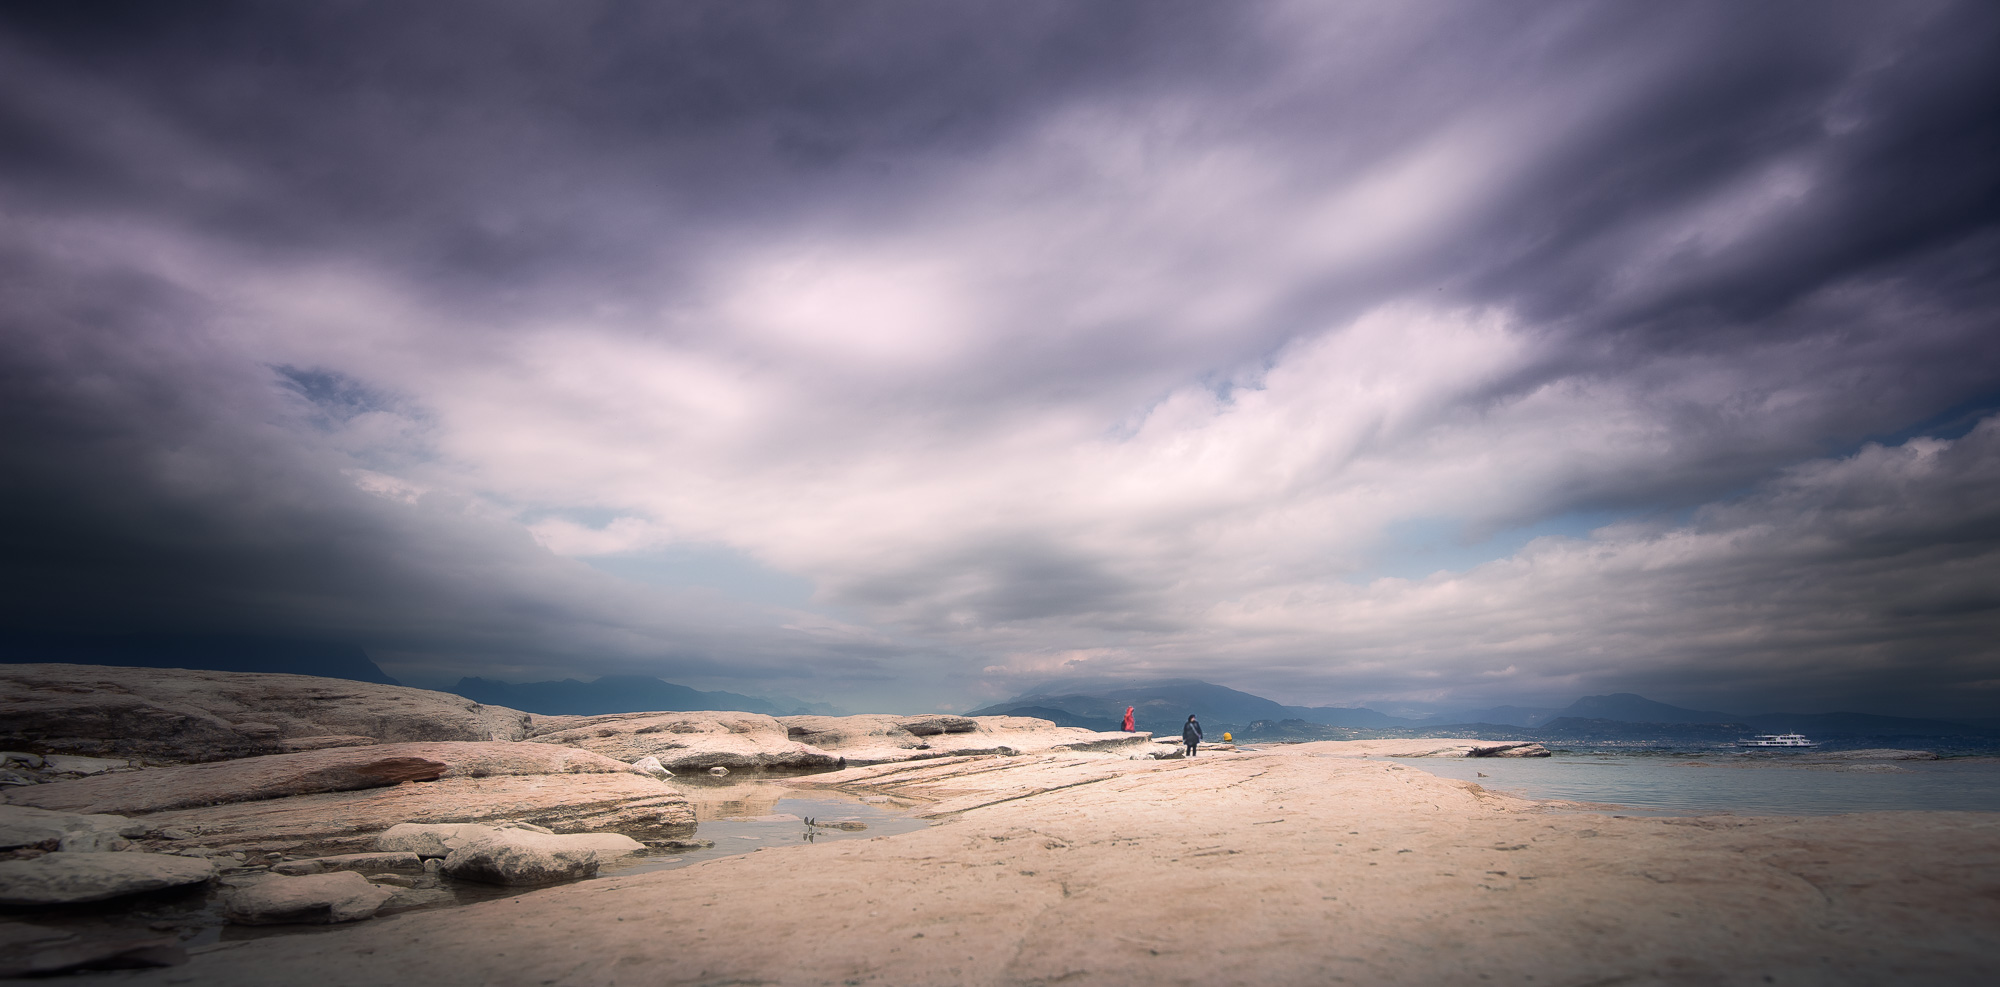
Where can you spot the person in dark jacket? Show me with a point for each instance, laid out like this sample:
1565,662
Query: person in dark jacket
1191,734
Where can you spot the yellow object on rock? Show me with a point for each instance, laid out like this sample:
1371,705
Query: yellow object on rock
1226,736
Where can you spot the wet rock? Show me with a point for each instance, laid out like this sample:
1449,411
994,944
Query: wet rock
518,857
74,878
185,715
316,899
70,954
23,826
392,880
718,771
26,760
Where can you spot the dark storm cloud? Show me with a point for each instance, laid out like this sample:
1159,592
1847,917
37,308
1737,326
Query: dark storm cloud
1022,328
490,143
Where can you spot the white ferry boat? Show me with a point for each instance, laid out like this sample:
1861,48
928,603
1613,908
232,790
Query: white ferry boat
1777,740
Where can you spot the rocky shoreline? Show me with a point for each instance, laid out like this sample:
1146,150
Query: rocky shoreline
268,797
1051,850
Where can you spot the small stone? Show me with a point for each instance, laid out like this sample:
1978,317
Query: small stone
718,771
652,766
433,865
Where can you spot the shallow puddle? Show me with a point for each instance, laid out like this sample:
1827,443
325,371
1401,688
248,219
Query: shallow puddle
783,825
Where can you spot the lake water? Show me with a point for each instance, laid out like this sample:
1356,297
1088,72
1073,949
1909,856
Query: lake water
1715,782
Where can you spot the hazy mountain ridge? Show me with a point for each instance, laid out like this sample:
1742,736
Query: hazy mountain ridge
623,694
1161,706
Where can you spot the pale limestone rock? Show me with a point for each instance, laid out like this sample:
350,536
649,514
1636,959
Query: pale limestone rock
248,780
652,766
22,826
315,899
73,878
518,857
344,822
272,776
689,741
185,715
881,739
933,724
435,840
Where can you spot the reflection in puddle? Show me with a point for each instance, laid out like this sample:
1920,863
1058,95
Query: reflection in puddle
754,825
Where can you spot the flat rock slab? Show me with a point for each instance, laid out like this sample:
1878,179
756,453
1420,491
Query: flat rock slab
182,715
343,822
24,826
273,776
248,780
317,899
75,878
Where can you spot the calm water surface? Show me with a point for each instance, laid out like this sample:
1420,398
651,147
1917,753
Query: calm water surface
1712,782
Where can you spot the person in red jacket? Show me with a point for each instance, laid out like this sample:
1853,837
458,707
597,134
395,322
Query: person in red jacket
1128,720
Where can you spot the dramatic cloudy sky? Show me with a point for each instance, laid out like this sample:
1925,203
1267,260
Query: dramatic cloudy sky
906,354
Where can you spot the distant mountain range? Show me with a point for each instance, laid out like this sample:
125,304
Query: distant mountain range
1162,706
622,694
